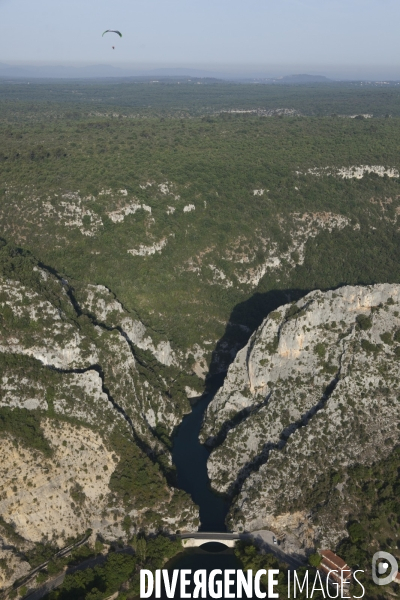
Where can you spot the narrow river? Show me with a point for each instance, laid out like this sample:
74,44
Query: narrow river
190,458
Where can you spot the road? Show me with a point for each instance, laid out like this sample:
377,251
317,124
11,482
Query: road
57,581
46,587
32,573
265,539
206,535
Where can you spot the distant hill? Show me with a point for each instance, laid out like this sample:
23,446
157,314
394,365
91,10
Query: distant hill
106,71
61,72
304,78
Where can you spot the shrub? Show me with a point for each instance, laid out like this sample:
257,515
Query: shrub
320,350
364,322
275,315
387,338
315,559
25,426
369,347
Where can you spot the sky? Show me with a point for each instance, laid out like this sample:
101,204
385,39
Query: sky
320,35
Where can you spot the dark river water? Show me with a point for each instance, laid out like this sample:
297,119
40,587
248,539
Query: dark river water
209,556
190,458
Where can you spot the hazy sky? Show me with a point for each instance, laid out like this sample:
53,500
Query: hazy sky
301,32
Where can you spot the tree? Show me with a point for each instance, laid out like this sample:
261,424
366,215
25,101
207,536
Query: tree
315,559
141,549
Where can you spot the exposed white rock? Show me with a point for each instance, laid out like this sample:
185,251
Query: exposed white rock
306,226
95,383
138,335
72,212
359,172
352,172
191,393
101,302
16,566
220,277
14,394
189,208
117,216
365,115
38,492
82,397
61,356
164,188
58,344
264,112
200,365
149,250
312,364
258,192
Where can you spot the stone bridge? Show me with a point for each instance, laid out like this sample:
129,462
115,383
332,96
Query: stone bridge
263,538
198,538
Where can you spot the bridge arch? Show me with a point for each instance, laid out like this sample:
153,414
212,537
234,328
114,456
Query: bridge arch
197,543
199,538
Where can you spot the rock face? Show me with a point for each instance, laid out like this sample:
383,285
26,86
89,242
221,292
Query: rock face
314,391
99,301
44,490
78,410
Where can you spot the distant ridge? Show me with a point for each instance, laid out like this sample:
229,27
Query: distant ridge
103,71
305,79
61,72
108,71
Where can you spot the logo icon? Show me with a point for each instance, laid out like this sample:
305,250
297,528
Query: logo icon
381,561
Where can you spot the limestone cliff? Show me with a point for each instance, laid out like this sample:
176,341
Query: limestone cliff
84,418
314,391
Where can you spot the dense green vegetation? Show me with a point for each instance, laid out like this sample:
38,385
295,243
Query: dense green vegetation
119,568
68,149
251,558
194,97
371,496
24,425
214,163
136,479
374,522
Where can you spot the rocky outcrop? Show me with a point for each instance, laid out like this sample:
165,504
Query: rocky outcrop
96,400
73,211
314,391
100,302
352,172
304,227
61,496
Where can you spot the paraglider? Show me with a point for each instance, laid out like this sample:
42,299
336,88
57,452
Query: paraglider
112,31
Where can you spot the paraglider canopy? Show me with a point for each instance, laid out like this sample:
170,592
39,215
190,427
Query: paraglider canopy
112,31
